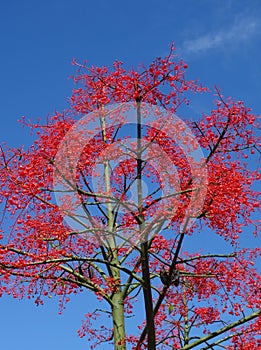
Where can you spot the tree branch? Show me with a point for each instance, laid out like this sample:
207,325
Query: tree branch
222,330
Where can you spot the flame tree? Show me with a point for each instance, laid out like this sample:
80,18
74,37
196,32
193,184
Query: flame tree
110,194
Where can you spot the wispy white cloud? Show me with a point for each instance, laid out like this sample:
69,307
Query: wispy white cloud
225,38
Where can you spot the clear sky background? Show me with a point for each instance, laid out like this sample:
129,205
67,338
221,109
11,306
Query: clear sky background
219,39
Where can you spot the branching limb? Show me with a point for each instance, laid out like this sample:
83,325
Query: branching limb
223,330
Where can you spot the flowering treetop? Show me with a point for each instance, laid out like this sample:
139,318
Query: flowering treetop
104,197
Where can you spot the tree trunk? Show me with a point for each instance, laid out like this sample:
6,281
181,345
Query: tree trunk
117,296
118,322
144,246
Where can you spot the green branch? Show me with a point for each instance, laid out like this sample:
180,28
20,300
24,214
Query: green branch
222,330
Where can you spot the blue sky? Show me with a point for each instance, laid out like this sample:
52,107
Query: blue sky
219,39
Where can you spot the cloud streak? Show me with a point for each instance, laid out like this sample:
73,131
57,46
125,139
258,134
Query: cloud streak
240,32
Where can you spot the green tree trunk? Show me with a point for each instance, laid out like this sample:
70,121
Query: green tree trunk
118,321
114,272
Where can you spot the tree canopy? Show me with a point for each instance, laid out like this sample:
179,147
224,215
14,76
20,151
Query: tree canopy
112,191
